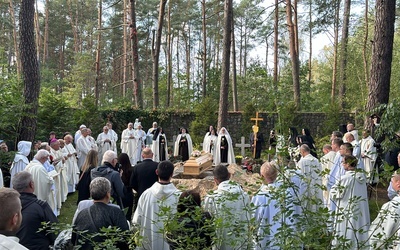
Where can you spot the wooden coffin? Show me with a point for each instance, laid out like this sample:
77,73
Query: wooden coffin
197,165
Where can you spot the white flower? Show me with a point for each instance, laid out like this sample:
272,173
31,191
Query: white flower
196,153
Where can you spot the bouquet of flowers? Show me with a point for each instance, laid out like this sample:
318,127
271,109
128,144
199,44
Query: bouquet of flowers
196,153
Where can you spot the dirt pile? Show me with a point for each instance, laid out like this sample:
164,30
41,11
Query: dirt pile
205,182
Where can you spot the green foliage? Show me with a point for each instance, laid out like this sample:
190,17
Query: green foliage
287,117
110,237
54,114
249,112
389,124
333,115
11,101
205,116
190,229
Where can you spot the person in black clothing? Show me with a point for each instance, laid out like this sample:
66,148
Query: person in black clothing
195,227
306,138
159,145
34,212
144,174
126,169
100,215
84,177
292,141
107,170
258,142
272,141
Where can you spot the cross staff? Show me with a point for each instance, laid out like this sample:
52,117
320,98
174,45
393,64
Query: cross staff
255,131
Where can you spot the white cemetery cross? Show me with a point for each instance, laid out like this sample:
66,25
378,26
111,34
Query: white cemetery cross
242,145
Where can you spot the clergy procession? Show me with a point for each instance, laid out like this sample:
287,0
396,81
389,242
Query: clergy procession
126,180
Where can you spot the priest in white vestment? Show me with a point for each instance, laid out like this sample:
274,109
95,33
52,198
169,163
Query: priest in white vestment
327,161
140,137
368,156
229,204
269,217
224,148
21,158
356,145
57,160
128,142
78,133
159,146
83,147
42,179
384,230
155,205
310,169
135,125
71,163
105,142
92,141
150,136
114,136
351,218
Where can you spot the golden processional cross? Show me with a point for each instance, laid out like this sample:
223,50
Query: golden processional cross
255,131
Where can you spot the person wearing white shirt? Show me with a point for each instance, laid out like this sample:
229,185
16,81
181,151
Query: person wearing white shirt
11,219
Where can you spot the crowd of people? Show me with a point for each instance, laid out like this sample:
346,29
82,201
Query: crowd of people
135,188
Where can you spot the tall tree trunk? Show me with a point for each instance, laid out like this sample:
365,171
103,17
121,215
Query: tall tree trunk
204,54
169,56
310,44
382,53
30,70
246,38
223,99
15,41
124,65
366,27
137,81
72,18
62,61
276,47
293,53
241,51
98,53
234,80
37,29
178,61
156,55
295,27
186,39
343,53
46,34
335,51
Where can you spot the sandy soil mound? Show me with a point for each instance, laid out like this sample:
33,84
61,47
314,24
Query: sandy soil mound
205,182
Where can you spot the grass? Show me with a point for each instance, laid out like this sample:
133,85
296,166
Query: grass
68,209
